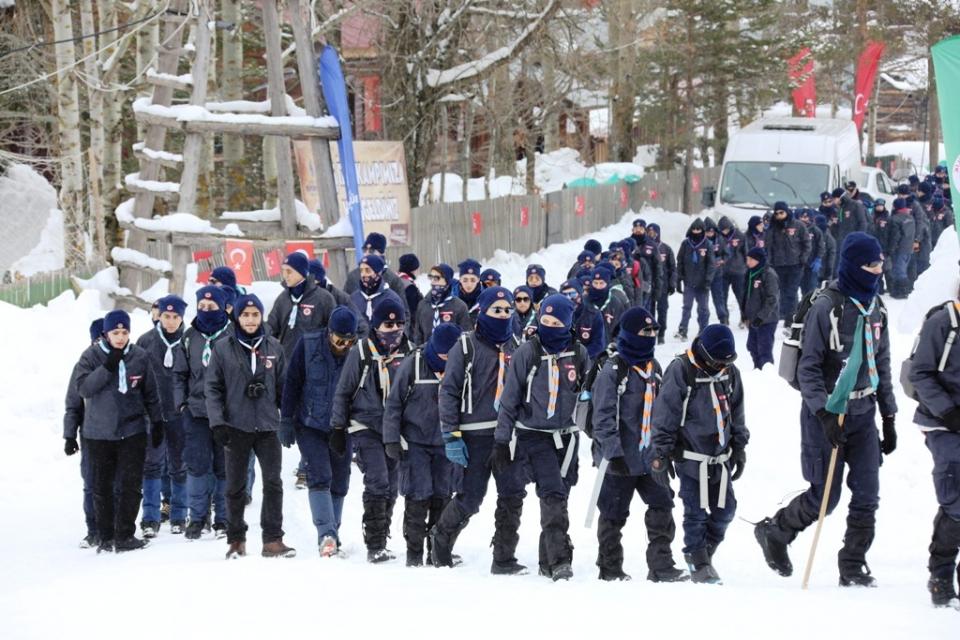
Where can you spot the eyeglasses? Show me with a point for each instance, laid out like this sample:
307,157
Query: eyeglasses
523,299
573,295
391,326
341,342
503,311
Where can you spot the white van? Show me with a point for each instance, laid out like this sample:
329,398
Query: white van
789,159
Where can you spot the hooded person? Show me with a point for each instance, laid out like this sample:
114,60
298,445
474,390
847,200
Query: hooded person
223,277
601,297
695,271
756,233
537,281
852,215
376,245
440,306
525,315
302,307
588,326
412,436
900,245
468,287
818,249
667,282
851,315
788,251
624,393
762,308
408,267
718,284
358,406
204,456
699,428
536,420
734,266
469,403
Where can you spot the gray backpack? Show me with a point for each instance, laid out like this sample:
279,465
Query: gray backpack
907,367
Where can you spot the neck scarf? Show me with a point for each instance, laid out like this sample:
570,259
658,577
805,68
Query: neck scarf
649,394
847,380
168,355
121,369
436,306
251,343
208,345
296,295
714,398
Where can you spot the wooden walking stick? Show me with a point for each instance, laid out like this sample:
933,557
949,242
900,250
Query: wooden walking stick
823,510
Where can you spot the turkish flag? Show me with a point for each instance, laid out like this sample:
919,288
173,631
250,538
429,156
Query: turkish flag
304,247
652,194
476,223
524,216
204,265
580,206
695,183
866,75
272,260
624,196
804,87
239,257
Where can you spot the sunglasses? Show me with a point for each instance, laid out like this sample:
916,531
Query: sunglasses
573,295
523,299
503,311
341,342
391,326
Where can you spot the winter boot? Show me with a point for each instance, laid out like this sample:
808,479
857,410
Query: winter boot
329,547
851,559
944,547
105,546
661,530
444,534
610,550
415,529
91,541
437,505
130,544
375,529
219,530
322,513
277,549
236,550
506,535
942,592
149,529
555,543
771,537
701,571
177,527
680,335
194,530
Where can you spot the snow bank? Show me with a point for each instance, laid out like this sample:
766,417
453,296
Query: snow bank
936,285
27,202
305,217
48,254
185,223
343,228
196,113
132,256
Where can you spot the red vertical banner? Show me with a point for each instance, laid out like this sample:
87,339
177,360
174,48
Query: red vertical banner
695,183
624,196
802,83
476,223
304,247
653,194
204,265
524,216
272,260
867,67
326,259
580,206
239,257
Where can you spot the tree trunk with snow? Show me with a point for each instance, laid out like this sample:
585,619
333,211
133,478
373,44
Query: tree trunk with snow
111,169
933,117
148,39
91,68
467,114
623,92
231,88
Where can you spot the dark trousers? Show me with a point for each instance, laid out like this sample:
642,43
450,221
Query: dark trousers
166,462
204,459
266,446
380,473
760,343
324,468
718,291
789,285
616,493
944,446
476,477
736,282
704,529
702,297
86,473
660,305
117,474
425,472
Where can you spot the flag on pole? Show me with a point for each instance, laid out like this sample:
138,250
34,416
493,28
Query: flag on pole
804,87
866,75
946,68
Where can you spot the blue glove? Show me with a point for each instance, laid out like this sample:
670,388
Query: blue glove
287,434
815,265
455,449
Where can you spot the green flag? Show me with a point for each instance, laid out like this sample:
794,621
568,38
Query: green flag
946,66
847,381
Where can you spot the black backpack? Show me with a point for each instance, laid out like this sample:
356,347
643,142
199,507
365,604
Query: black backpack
584,415
907,367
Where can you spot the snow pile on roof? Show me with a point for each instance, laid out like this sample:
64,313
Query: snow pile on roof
343,228
27,201
305,217
185,223
823,111
47,255
153,154
196,113
905,74
133,181
132,256
916,151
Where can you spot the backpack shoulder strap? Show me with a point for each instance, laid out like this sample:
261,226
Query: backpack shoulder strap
366,361
537,355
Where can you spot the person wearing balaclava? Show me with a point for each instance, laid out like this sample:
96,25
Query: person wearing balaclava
468,287
357,410
585,260
588,326
624,393
667,282
408,268
601,297
880,229
201,453
244,385
122,412
900,244
695,270
302,307
525,315
412,437
536,427
161,344
375,245
311,381
537,281
788,250
850,316
440,306
761,310
373,289
342,299
699,429
470,398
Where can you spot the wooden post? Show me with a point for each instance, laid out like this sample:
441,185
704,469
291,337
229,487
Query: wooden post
313,101
193,147
276,90
180,257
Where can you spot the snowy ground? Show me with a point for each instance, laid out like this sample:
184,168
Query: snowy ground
50,587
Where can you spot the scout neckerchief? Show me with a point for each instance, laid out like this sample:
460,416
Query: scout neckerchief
208,345
649,394
714,398
121,369
168,355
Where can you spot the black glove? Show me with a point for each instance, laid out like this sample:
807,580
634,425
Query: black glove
619,466
113,360
889,442
739,459
156,434
756,323
660,469
70,446
499,459
952,420
221,435
830,423
338,441
394,450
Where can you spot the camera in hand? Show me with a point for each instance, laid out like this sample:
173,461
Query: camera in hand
256,389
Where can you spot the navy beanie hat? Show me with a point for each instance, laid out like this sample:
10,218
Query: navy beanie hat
860,249
655,227
225,276
173,304
298,262
639,222
780,205
825,195
96,329
593,246
903,189
754,221
374,262
247,300
445,270
216,294
604,271
899,204
521,289
925,188
470,267
492,294
389,310
377,242
914,179
821,221
585,255
409,262
490,275
759,255
116,319
536,269
558,306
343,322
572,283
444,337
636,319
229,295
317,270
838,192
717,341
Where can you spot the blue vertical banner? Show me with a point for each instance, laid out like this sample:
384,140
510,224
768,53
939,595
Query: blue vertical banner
335,94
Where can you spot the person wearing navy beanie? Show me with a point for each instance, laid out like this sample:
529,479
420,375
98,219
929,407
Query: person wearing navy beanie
440,306
304,306
593,246
585,260
788,248
468,287
96,329
376,244
490,278
588,326
666,284
409,266
901,245
525,315
710,414
537,413
830,245
223,276
601,297
639,231
852,215
761,309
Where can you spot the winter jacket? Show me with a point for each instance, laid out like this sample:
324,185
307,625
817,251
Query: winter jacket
450,310
411,294
646,253
787,245
919,214
695,267
763,296
230,375
901,235
588,329
880,229
153,344
829,254
313,313
668,267
719,247
458,411
756,240
736,246
617,418
853,217
820,365
311,381
938,392
109,414
363,386
411,411
343,300
189,373
817,246
611,310
522,324
72,406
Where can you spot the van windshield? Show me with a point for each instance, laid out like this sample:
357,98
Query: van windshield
763,183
